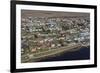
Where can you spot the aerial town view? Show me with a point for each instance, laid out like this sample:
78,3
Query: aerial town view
49,35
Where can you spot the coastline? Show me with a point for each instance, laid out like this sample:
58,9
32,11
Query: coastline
54,52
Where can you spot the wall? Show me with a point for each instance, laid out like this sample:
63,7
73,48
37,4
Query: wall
5,36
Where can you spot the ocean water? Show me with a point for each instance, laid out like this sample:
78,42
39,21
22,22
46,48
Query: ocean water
81,54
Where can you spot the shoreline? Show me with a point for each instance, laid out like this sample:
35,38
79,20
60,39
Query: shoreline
53,53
